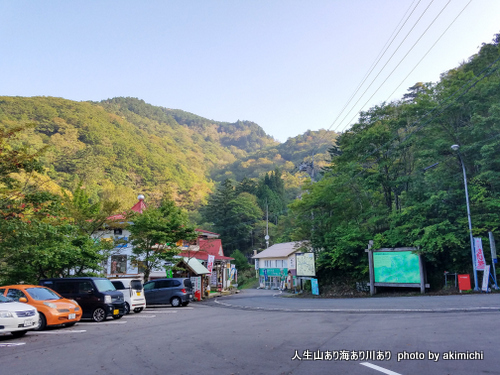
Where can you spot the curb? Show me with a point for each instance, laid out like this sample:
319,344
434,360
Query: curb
364,311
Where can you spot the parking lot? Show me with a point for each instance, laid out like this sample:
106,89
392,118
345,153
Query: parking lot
87,326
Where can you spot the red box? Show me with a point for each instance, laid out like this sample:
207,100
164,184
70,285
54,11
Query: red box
464,282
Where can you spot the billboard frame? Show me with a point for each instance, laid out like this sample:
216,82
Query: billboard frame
423,277
299,265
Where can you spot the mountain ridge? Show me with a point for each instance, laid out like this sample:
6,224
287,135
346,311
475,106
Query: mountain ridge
120,147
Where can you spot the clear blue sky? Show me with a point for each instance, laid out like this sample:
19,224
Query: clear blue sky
287,65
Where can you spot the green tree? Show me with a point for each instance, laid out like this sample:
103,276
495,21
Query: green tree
240,260
155,232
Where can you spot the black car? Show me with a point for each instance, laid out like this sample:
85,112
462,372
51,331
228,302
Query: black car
177,292
97,296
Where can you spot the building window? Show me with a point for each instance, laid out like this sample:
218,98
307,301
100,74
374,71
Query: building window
118,264
117,232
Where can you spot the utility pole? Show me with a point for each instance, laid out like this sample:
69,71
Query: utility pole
267,226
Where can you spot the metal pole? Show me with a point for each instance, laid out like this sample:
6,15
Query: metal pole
493,257
476,288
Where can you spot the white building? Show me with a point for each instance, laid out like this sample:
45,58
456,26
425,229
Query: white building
276,265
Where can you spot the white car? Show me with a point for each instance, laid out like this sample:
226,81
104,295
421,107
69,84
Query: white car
133,294
16,317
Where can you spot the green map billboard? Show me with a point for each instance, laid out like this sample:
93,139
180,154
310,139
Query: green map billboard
396,267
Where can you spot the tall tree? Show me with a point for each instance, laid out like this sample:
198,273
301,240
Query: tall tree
154,233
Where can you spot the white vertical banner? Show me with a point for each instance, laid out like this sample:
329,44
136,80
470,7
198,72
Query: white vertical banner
478,249
210,263
486,276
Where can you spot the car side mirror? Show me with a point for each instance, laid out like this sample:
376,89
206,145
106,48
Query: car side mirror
23,299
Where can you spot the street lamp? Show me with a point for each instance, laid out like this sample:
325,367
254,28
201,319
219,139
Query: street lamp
456,148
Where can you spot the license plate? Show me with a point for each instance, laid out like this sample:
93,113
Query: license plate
28,322
116,312
71,316
138,294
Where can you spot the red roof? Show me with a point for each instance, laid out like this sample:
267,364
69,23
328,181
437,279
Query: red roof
139,207
207,247
206,231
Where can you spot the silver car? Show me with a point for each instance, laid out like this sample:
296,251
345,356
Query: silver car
16,317
177,292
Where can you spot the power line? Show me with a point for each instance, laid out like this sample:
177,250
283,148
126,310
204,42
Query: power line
397,66
382,52
465,90
423,57
379,57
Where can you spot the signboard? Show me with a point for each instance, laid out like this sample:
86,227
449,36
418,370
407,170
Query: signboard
210,263
256,264
305,264
196,281
275,272
486,275
396,267
265,274
314,287
291,262
479,254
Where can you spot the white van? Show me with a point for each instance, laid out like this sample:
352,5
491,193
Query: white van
133,293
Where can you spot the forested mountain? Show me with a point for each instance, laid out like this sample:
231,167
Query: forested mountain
123,146
395,179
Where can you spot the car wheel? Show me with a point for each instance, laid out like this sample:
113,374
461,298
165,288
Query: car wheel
175,302
19,333
69,324
42,322
127,308
185,303
99,315
138,310
117,316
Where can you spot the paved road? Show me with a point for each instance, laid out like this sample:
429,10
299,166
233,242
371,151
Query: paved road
276,300
211,338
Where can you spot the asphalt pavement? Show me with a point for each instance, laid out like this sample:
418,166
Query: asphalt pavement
274,300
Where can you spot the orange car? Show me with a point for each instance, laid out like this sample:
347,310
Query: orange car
52,308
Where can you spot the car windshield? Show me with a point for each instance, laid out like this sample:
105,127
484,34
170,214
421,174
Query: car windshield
42,294
136,285
104,285
4,299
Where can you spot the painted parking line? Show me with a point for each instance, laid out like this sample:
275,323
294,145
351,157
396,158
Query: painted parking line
159,312
7,344
58,332
103,323
378,368
163,307
141,316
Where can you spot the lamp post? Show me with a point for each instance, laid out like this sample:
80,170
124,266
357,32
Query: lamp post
456,148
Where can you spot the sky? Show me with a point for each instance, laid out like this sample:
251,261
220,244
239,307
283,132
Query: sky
287,65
